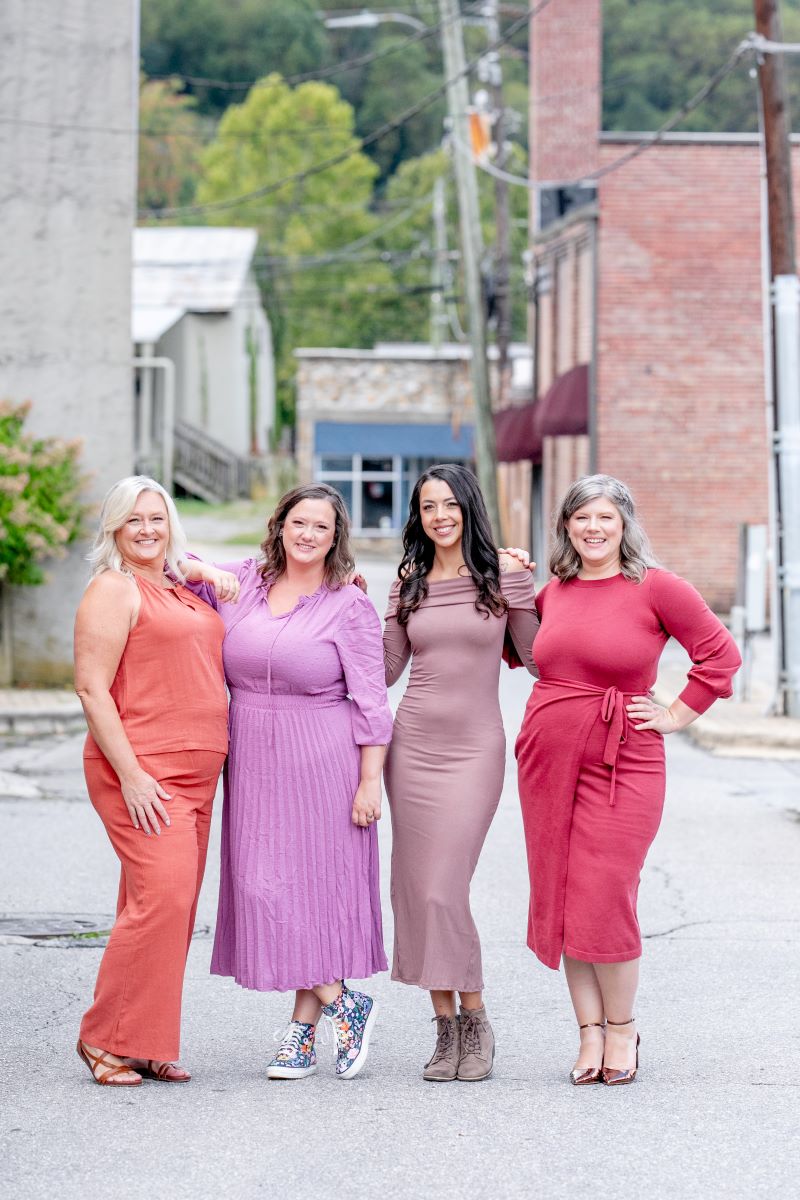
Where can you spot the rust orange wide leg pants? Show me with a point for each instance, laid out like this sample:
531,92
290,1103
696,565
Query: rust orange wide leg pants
137,1000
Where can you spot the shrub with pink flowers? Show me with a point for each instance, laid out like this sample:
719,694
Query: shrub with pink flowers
40,507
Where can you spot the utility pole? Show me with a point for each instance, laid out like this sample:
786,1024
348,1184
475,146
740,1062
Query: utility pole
502,253
439,268
785,308
471,254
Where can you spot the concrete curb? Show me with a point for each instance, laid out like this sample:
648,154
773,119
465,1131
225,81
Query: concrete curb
38,712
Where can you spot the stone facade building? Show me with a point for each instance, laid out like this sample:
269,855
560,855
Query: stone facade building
370,421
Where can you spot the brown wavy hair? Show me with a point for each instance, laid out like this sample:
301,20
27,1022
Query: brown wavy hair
339,561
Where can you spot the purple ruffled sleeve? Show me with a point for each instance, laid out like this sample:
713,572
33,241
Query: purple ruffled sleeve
358,641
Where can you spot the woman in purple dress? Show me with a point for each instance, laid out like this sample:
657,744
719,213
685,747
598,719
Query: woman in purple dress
299,905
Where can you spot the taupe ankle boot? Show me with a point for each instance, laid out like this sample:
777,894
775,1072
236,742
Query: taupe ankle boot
443,1064
477,1045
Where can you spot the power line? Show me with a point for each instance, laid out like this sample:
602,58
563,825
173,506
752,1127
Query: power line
703,93
361,143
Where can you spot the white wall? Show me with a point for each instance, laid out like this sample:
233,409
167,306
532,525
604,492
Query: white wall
212,372
68,78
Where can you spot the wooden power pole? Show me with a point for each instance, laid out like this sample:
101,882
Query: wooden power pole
471,254
785,364
777,144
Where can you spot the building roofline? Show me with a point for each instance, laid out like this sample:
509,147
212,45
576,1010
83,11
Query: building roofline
612,137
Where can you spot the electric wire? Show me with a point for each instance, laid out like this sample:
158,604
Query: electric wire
646,143
359,144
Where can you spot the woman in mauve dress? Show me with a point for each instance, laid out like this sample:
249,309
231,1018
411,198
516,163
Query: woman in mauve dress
449,612
299,905
591,755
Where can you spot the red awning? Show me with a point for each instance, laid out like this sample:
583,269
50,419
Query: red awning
562,411
516,434
564,408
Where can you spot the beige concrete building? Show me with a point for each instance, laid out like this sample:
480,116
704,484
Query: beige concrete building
68,94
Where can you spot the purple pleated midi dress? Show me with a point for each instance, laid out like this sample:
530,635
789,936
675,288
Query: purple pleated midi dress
299,901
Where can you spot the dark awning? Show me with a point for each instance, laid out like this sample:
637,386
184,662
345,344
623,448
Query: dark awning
563,411
517,435
564,408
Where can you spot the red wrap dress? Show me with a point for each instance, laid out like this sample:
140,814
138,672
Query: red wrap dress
591,784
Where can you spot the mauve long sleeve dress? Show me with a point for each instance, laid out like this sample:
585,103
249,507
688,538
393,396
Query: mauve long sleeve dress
591,784
444,770
299,901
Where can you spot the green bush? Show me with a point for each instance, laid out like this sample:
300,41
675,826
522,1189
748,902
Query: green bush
40,508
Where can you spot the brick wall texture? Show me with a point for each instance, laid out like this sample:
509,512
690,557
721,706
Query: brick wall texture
680,382
680,407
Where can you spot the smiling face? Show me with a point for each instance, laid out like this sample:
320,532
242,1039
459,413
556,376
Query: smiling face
595,531
142,541
308,532
440,514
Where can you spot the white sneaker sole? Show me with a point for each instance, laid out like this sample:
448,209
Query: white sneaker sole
355,1067
289,1072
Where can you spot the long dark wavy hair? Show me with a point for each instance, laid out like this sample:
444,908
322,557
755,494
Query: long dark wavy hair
477,545
339,561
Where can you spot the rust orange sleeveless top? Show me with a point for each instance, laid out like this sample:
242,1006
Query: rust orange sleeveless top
170,686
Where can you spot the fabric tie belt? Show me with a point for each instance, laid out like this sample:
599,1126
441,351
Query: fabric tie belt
613,712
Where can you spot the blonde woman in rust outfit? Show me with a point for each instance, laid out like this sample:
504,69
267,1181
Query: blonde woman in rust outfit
449,612
148,670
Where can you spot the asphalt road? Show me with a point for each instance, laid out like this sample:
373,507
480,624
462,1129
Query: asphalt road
714,1112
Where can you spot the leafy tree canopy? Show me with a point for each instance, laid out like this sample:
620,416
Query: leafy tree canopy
658,53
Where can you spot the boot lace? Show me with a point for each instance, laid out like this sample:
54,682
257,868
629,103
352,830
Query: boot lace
445,1037
471,1034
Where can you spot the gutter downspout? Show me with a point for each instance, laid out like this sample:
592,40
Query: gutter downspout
167,413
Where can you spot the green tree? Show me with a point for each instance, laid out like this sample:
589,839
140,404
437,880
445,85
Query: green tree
657,53
414,180
231,40
316,291
170,134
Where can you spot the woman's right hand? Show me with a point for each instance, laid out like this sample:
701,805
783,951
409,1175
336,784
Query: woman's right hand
518,555
143,795
225,583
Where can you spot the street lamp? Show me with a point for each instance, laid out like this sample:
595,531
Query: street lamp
368,20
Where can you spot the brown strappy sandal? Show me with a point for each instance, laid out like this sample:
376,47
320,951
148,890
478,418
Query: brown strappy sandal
163,1072
108,1077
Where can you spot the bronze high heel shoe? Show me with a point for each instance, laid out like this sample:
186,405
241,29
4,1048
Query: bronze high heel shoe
584,1075
613,1077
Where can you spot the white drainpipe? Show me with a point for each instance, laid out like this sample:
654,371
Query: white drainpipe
152,363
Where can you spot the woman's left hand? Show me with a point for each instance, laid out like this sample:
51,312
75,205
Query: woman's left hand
651,715
367,803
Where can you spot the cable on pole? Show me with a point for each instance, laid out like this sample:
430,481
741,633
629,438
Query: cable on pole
708,87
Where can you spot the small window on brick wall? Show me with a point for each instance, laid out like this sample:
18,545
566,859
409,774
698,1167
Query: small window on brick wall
556,202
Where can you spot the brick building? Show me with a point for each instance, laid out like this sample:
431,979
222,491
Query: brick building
650,277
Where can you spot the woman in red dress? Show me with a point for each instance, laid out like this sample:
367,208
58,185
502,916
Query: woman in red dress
591,755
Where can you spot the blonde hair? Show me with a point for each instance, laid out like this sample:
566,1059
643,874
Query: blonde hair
635,555
118,504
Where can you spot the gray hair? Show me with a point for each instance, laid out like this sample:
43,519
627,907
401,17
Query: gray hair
634,552
118,504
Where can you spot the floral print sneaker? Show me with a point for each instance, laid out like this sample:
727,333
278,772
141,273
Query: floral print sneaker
296,1055
352,1015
